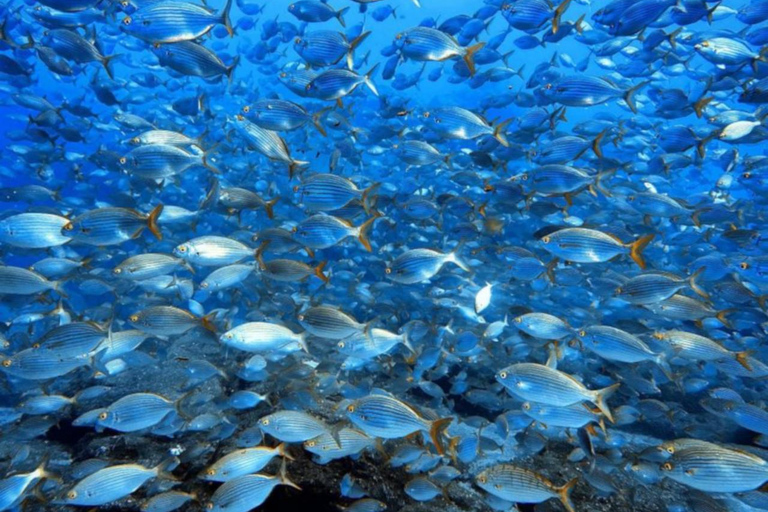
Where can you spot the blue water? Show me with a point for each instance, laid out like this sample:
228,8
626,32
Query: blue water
549,271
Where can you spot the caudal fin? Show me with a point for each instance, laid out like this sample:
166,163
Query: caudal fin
206,164
564,493
601,395
559,14
269,206
368,82
364,230
340,16
636,249
469,56
436,433
152,221
231,69
225,20
498,132
106,61
743,359
695,286
353,44
319,272
596,149
629,96
366,194
700,104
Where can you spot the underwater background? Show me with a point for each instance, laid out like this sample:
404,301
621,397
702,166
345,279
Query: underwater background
383,255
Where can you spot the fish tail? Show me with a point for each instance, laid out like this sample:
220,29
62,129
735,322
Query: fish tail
231,69
700,104
368,82
672,36
319,272
302,341
469,56
284,477
207,322
416,3
550,270
225,19
564,493
269,206
447,160
316,121
710,13
695,286
761,301
363,232
163,470
559,14
457,260
204,161
353,44
293,165
636,249
580,24
105,61
629,96
599,182
743,359
596,149
601,395
366,194
722,316
340,16
498,132
663,364
436,429
152,221
281,449
701,146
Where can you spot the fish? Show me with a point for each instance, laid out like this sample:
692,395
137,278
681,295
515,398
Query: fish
516,484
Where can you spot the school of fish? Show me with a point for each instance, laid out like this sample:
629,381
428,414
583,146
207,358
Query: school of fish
243,233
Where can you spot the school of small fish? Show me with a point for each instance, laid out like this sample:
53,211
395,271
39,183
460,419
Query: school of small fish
243,233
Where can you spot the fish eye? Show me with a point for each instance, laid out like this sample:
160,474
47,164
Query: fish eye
72,495
103,415
297,40
582,333
518,320
630,198
746,175
618,290
545,239
117,271
525,177
482,479
134,318
265,421
123,160
548,87
705,44
426,114
68,226
127,20
291,7
350,409
135,140
341,344
210,472
526,406
310,444
387,270
228,336
503,375
204,285
239,117
246,109
7,363
182,248
667,466
209,505
743,265
658,336
399,36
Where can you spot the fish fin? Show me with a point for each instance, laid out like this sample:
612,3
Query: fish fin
207,322
231,69
319,272
340,16
629,96
743,359
469,56
105,61
353,44
498,132
457,260
550,269
559,14
636,249
316,121
596,149
601,395
269,207
152,221
293,165
365,194
700,104
368,82
165,467
225,20
284,474
281,449
695,286
436,429
564,493
362,233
